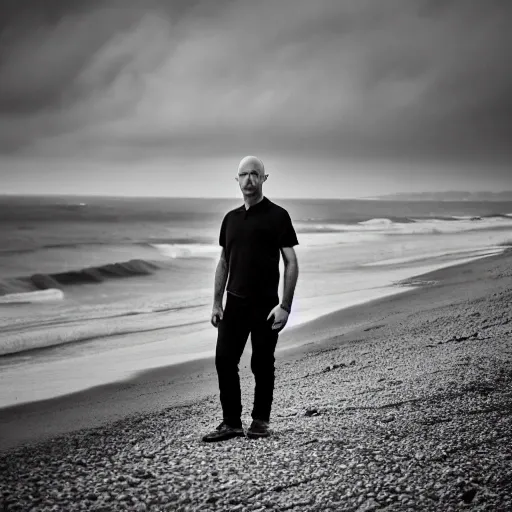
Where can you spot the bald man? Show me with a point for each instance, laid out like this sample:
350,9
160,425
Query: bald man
252,238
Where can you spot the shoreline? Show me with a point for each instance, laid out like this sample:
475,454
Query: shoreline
188,382
388,289
401,404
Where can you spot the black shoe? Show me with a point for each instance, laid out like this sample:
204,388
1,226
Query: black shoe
258,428
223,432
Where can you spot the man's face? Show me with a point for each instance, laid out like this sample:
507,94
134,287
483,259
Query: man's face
251,178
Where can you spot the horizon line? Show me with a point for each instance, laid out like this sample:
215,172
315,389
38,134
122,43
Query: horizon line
31,194
359,198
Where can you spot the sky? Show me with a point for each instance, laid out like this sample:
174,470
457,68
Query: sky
339,98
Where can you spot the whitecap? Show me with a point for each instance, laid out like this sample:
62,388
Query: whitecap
188,250
36,296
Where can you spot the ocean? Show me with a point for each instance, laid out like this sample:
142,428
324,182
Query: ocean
96,289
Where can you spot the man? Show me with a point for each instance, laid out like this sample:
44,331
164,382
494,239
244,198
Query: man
252,238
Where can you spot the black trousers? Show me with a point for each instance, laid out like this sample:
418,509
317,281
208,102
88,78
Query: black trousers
241,317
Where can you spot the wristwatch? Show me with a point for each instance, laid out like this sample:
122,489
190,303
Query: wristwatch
282,306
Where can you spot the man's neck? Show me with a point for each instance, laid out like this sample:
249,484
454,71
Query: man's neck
251,201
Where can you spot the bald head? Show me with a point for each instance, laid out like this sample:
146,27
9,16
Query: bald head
251,163
251,176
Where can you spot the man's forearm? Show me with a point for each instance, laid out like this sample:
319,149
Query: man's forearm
291,273
221,277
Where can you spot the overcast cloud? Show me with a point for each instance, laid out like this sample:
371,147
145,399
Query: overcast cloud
395,86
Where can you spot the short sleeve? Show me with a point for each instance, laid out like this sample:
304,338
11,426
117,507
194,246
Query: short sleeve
287,237
222,235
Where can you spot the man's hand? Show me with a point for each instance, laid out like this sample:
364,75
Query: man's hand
217,315
280,317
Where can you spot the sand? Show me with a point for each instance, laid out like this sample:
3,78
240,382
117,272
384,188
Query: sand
403,403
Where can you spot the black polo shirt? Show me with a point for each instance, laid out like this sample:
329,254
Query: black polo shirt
252,240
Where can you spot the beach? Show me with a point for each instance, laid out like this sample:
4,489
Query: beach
97,290
402,403
350,161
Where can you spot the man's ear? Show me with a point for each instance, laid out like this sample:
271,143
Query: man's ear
266,176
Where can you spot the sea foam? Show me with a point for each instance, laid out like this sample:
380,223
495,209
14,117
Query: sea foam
188,250
30,297
384,226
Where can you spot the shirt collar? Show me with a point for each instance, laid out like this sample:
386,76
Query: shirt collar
257,207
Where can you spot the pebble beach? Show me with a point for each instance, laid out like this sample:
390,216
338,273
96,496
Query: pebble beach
401,404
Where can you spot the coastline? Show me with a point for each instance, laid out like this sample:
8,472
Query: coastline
153,390
403,402
71,368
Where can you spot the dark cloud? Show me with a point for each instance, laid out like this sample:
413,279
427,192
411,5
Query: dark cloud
399,79
45,45
23,15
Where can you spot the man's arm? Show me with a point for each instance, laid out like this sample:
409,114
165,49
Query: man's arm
221,277
291,273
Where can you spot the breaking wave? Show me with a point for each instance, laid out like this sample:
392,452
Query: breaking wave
56,281
196,250
31,297
410,226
